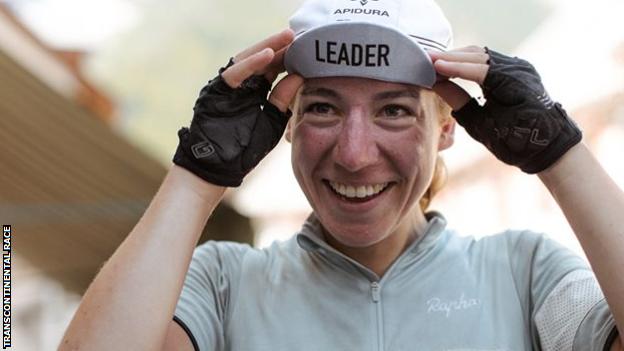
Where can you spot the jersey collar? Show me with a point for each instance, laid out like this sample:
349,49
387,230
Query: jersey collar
311,239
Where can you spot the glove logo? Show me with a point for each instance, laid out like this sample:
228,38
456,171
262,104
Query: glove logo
202,150
546,100
533,134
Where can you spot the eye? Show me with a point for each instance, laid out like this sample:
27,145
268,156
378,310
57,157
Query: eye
395,111
319,108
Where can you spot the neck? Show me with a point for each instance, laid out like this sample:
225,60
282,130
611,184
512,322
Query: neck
380,256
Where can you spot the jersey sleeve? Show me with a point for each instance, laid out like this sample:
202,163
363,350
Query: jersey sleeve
209,287
566,309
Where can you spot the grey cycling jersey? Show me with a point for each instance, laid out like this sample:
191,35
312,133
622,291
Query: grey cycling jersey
511,291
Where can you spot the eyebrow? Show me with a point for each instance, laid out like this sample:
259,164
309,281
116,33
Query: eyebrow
385,95
318,91
412,93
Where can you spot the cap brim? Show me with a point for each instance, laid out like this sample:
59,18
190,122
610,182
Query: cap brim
360,49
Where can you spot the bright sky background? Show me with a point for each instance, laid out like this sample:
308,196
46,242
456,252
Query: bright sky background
81,24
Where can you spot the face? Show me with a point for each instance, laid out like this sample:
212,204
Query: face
363,152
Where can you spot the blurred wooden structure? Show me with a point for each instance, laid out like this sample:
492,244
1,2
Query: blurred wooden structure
71,187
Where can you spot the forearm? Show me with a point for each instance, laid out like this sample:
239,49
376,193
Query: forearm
594,206
131,301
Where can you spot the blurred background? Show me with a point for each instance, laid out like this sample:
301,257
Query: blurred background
92,93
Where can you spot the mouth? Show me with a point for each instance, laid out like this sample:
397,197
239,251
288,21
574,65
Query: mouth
357,193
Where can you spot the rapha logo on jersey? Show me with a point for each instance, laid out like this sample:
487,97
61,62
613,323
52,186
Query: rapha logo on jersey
364,2
447,307
352,54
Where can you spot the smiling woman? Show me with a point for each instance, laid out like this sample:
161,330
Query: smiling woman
370,267
364,152
429,103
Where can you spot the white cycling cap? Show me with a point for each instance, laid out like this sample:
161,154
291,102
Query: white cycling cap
378,39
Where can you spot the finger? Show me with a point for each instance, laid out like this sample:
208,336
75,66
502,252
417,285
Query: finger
475,72
453,94
276,66
460,56
275,42
285,91
471,48
244,69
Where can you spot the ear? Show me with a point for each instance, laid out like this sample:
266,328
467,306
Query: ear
447,134
288,133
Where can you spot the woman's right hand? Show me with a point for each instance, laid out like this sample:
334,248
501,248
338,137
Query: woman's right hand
234,125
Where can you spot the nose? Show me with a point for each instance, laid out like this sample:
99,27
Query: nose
356,147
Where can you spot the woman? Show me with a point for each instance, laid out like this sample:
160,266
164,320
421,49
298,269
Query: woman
369,269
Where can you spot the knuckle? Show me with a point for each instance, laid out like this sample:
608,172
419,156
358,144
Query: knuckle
472,49
279,103
483,57
231,81
475,48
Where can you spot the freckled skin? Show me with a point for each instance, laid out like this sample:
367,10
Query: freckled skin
354,142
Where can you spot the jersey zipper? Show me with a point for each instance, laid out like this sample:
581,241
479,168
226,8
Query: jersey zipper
376,296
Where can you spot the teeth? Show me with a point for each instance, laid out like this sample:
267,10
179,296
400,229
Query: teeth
361,191
350,191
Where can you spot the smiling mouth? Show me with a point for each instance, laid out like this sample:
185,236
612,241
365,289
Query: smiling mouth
359,193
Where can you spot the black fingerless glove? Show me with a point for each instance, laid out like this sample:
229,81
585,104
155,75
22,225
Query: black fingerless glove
231,130
519,123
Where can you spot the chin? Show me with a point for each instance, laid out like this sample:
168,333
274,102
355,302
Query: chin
356,236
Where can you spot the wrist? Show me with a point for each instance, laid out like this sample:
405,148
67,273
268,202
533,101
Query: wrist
566,169
187,183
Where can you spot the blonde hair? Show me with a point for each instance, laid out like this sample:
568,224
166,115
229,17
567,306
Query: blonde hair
439,173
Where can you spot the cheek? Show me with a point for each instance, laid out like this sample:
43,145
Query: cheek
409,150
309,144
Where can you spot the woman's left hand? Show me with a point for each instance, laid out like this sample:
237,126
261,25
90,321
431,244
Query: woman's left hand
519,123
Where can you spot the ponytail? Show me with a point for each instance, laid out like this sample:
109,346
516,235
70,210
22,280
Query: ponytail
439,173
437,183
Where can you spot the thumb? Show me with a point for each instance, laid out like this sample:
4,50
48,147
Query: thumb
285,91
453,94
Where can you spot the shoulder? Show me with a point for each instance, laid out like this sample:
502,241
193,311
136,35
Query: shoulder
524,252
497,244
521,243
230,254
539,250
220,252
513,239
